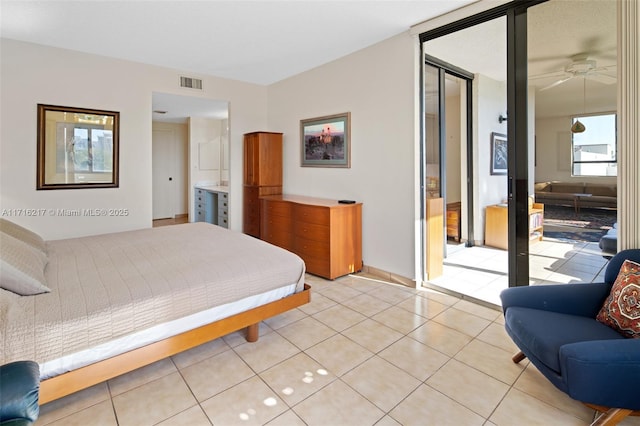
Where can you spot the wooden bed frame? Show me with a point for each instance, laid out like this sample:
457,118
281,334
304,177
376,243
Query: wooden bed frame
84,377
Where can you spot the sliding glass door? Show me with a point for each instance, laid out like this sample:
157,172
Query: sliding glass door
491,48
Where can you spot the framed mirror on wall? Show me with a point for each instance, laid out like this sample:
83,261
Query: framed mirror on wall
77,148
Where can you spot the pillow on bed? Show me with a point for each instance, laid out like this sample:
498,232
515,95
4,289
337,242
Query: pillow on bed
23,234
21,267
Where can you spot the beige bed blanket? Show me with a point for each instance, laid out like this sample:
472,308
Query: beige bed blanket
107,286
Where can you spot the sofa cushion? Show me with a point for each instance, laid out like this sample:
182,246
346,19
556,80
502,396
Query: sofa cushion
601,189
621,309
542,333
567,187
542,187
554,196
599,201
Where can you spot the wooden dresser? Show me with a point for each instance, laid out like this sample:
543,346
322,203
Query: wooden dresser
262,175
327,235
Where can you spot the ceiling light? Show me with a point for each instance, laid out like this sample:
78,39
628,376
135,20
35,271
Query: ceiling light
578,127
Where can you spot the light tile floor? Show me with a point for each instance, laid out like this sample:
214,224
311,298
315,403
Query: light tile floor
363,352
481,272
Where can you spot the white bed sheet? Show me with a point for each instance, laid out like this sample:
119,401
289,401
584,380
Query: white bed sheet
154,334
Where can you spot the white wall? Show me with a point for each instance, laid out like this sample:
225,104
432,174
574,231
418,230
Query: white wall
490,100
377,86
553,150
32,74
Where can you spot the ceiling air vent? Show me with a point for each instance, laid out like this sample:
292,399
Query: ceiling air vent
191,83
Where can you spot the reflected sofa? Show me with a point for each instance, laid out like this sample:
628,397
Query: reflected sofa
603,195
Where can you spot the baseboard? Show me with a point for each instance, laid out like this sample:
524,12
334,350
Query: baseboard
389,276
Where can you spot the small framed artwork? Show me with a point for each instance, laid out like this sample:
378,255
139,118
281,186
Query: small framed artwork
326,141
498,154
77,148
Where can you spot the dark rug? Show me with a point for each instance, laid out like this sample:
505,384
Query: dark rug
587,218
591,237
589,225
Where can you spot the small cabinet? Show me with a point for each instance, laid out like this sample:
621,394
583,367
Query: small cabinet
211,206
203,206
496,232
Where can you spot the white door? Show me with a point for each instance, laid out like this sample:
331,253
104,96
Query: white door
164,179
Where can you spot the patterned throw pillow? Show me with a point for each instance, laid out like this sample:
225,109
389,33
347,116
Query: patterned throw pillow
621,309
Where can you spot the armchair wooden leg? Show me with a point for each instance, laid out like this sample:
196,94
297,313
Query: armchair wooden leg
611,417
518,357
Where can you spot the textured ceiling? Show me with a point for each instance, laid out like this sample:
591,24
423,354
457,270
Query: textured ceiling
266,41
254,41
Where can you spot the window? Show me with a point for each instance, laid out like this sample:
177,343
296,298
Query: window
93,149
595,149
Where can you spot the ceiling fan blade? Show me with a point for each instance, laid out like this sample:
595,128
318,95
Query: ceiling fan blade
551,74
557,83
602,78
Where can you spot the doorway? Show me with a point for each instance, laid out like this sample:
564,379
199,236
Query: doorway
190,147
463,100
529,104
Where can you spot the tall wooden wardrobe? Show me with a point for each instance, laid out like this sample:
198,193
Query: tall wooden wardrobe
262,175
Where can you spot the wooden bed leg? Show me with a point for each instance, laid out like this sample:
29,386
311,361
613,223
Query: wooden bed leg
518,357
253,331
611,417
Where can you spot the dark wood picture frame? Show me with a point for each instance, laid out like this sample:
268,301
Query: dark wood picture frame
77,148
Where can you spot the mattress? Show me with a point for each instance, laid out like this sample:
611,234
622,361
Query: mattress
116,287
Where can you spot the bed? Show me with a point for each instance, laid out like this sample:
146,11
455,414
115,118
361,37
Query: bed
89,309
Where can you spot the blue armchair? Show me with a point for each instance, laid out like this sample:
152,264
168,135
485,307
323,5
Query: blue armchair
19,393
555,327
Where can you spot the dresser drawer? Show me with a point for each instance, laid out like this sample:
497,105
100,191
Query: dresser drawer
223,221
276,230
280,238
311,231
223,201
312,214
317,265
276,208
311,248
223,207
275,224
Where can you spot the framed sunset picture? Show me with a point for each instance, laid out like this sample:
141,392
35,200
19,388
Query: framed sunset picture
326,141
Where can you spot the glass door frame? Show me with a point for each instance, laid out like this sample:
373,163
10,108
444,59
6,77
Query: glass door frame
444,69
517,126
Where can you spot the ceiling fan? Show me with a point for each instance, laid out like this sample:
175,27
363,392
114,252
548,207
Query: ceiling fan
580,66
